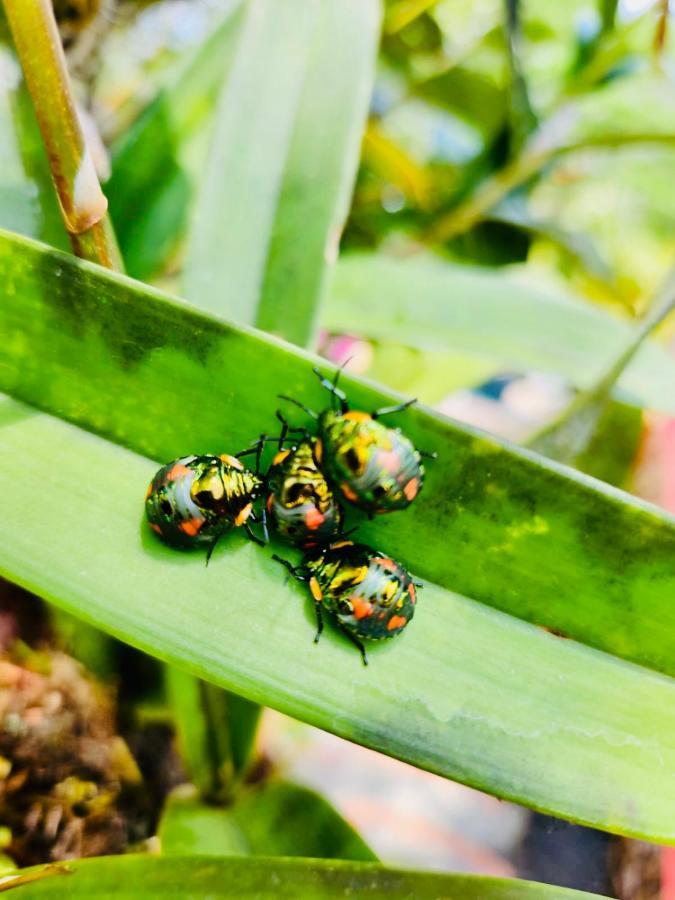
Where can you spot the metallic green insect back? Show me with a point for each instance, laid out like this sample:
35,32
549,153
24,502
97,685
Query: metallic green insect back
300,504
371,596
193,500
369,593
376,468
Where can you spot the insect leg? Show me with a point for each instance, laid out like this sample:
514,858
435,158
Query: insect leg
319,621
263,522
356,642
254,537
287,428
388,410
256,447
212,545
426,455
298,572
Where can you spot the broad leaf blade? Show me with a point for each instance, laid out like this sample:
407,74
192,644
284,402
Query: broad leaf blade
122,360
437,306
467,692
283,159
470,693
193,878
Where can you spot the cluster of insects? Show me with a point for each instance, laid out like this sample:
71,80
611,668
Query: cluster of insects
353,457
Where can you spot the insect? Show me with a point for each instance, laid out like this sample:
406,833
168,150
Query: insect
300,504
370,595
376,468
194,500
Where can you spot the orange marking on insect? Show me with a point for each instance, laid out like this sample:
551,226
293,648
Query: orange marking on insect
411,489
149,490
280,457
270,502
242,516
355,415
396,622
191,526
315,589
348,492
232,461
362,608
314,519
155,528
412,592
318,451
388,564
177,471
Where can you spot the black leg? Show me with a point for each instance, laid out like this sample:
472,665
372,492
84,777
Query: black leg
333,389
258,455
212,545
257,448
344,535
418,584
287,428
252,536
319,621
356,642
263,522
388,410
426,455
284,428
298,572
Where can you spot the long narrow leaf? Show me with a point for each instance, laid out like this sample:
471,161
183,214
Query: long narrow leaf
496,523
193,878
437,306
467,691
284,154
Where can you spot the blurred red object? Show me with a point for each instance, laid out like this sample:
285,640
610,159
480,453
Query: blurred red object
654,480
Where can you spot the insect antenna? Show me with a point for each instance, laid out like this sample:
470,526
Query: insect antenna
300,405
335,392
388,410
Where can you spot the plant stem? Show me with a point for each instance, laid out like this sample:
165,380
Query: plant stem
551,140
83,204
568,436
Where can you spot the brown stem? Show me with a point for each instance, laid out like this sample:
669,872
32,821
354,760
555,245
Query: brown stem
83,204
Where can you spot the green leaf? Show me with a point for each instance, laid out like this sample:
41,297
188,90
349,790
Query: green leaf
156,163
283,159
193,878
469,94
440,306
275,819
215,731
470,693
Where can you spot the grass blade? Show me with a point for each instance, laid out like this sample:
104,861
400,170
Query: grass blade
284,155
